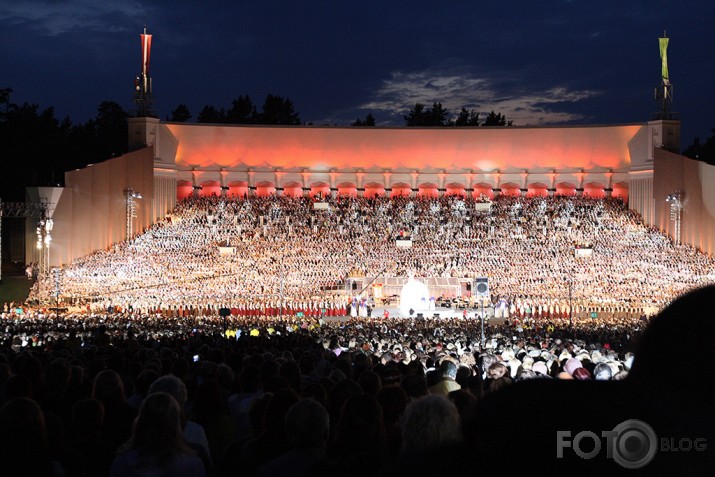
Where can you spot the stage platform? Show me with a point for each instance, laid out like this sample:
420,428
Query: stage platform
394,312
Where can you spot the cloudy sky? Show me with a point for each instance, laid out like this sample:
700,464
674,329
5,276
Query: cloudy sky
537,62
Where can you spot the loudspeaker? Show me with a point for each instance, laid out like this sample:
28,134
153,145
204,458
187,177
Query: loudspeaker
420,315
436,315
224,312
481,284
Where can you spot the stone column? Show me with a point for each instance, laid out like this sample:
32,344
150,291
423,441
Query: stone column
359,176
386,176
579,189
195,182
250,179
333,187
279,181
442,176
497,183
305,174
224,185
609,188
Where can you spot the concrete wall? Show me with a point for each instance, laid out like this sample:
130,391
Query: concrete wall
696,181
422,149
91,213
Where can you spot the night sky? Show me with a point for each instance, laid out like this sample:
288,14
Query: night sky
554,62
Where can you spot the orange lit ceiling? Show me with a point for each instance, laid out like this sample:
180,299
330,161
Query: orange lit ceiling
372,149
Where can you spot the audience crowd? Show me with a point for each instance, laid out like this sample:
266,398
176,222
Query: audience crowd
145,377
124,393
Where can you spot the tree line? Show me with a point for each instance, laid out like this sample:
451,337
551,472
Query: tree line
438,115
275,110
37,148
702,151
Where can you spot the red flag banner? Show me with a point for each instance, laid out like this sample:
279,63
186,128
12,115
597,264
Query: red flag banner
146,51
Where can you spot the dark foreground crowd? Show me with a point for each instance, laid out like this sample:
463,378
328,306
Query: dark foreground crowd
150,396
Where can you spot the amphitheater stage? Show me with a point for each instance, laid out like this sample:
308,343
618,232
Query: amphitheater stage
394,312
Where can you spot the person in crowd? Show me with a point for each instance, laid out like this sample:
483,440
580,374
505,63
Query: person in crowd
192,432
157,446
359,447
24,446
447,379
306,427
108,388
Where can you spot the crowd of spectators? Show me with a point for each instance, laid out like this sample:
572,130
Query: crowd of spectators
136,385
119,394
132,394
282,256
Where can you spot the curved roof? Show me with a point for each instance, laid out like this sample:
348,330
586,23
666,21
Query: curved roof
324,148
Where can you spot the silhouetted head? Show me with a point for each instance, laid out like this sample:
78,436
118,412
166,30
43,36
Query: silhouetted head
676,348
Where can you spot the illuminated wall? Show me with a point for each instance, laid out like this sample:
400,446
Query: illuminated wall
211,147
91,213
695,180
175,160
365,160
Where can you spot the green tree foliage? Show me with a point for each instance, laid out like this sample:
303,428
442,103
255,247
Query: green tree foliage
209,114
702,152
368,122
37,148
4,101
180,115
275,110
242,111
278,110
496,119
467,118
437,115
111,129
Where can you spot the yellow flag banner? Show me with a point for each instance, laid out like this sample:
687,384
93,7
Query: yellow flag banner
664,56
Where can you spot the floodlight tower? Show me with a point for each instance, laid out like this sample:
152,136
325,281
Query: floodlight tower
131,210
143,97
676,213
44,238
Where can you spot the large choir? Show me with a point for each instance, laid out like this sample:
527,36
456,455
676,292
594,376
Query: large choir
279,256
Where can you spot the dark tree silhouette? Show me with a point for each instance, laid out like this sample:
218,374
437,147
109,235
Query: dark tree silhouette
180,115
277,110
111,129
368,122
496,119
416,116
437,115
209,114
467,118
5,100
702,152
242,111
37,148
